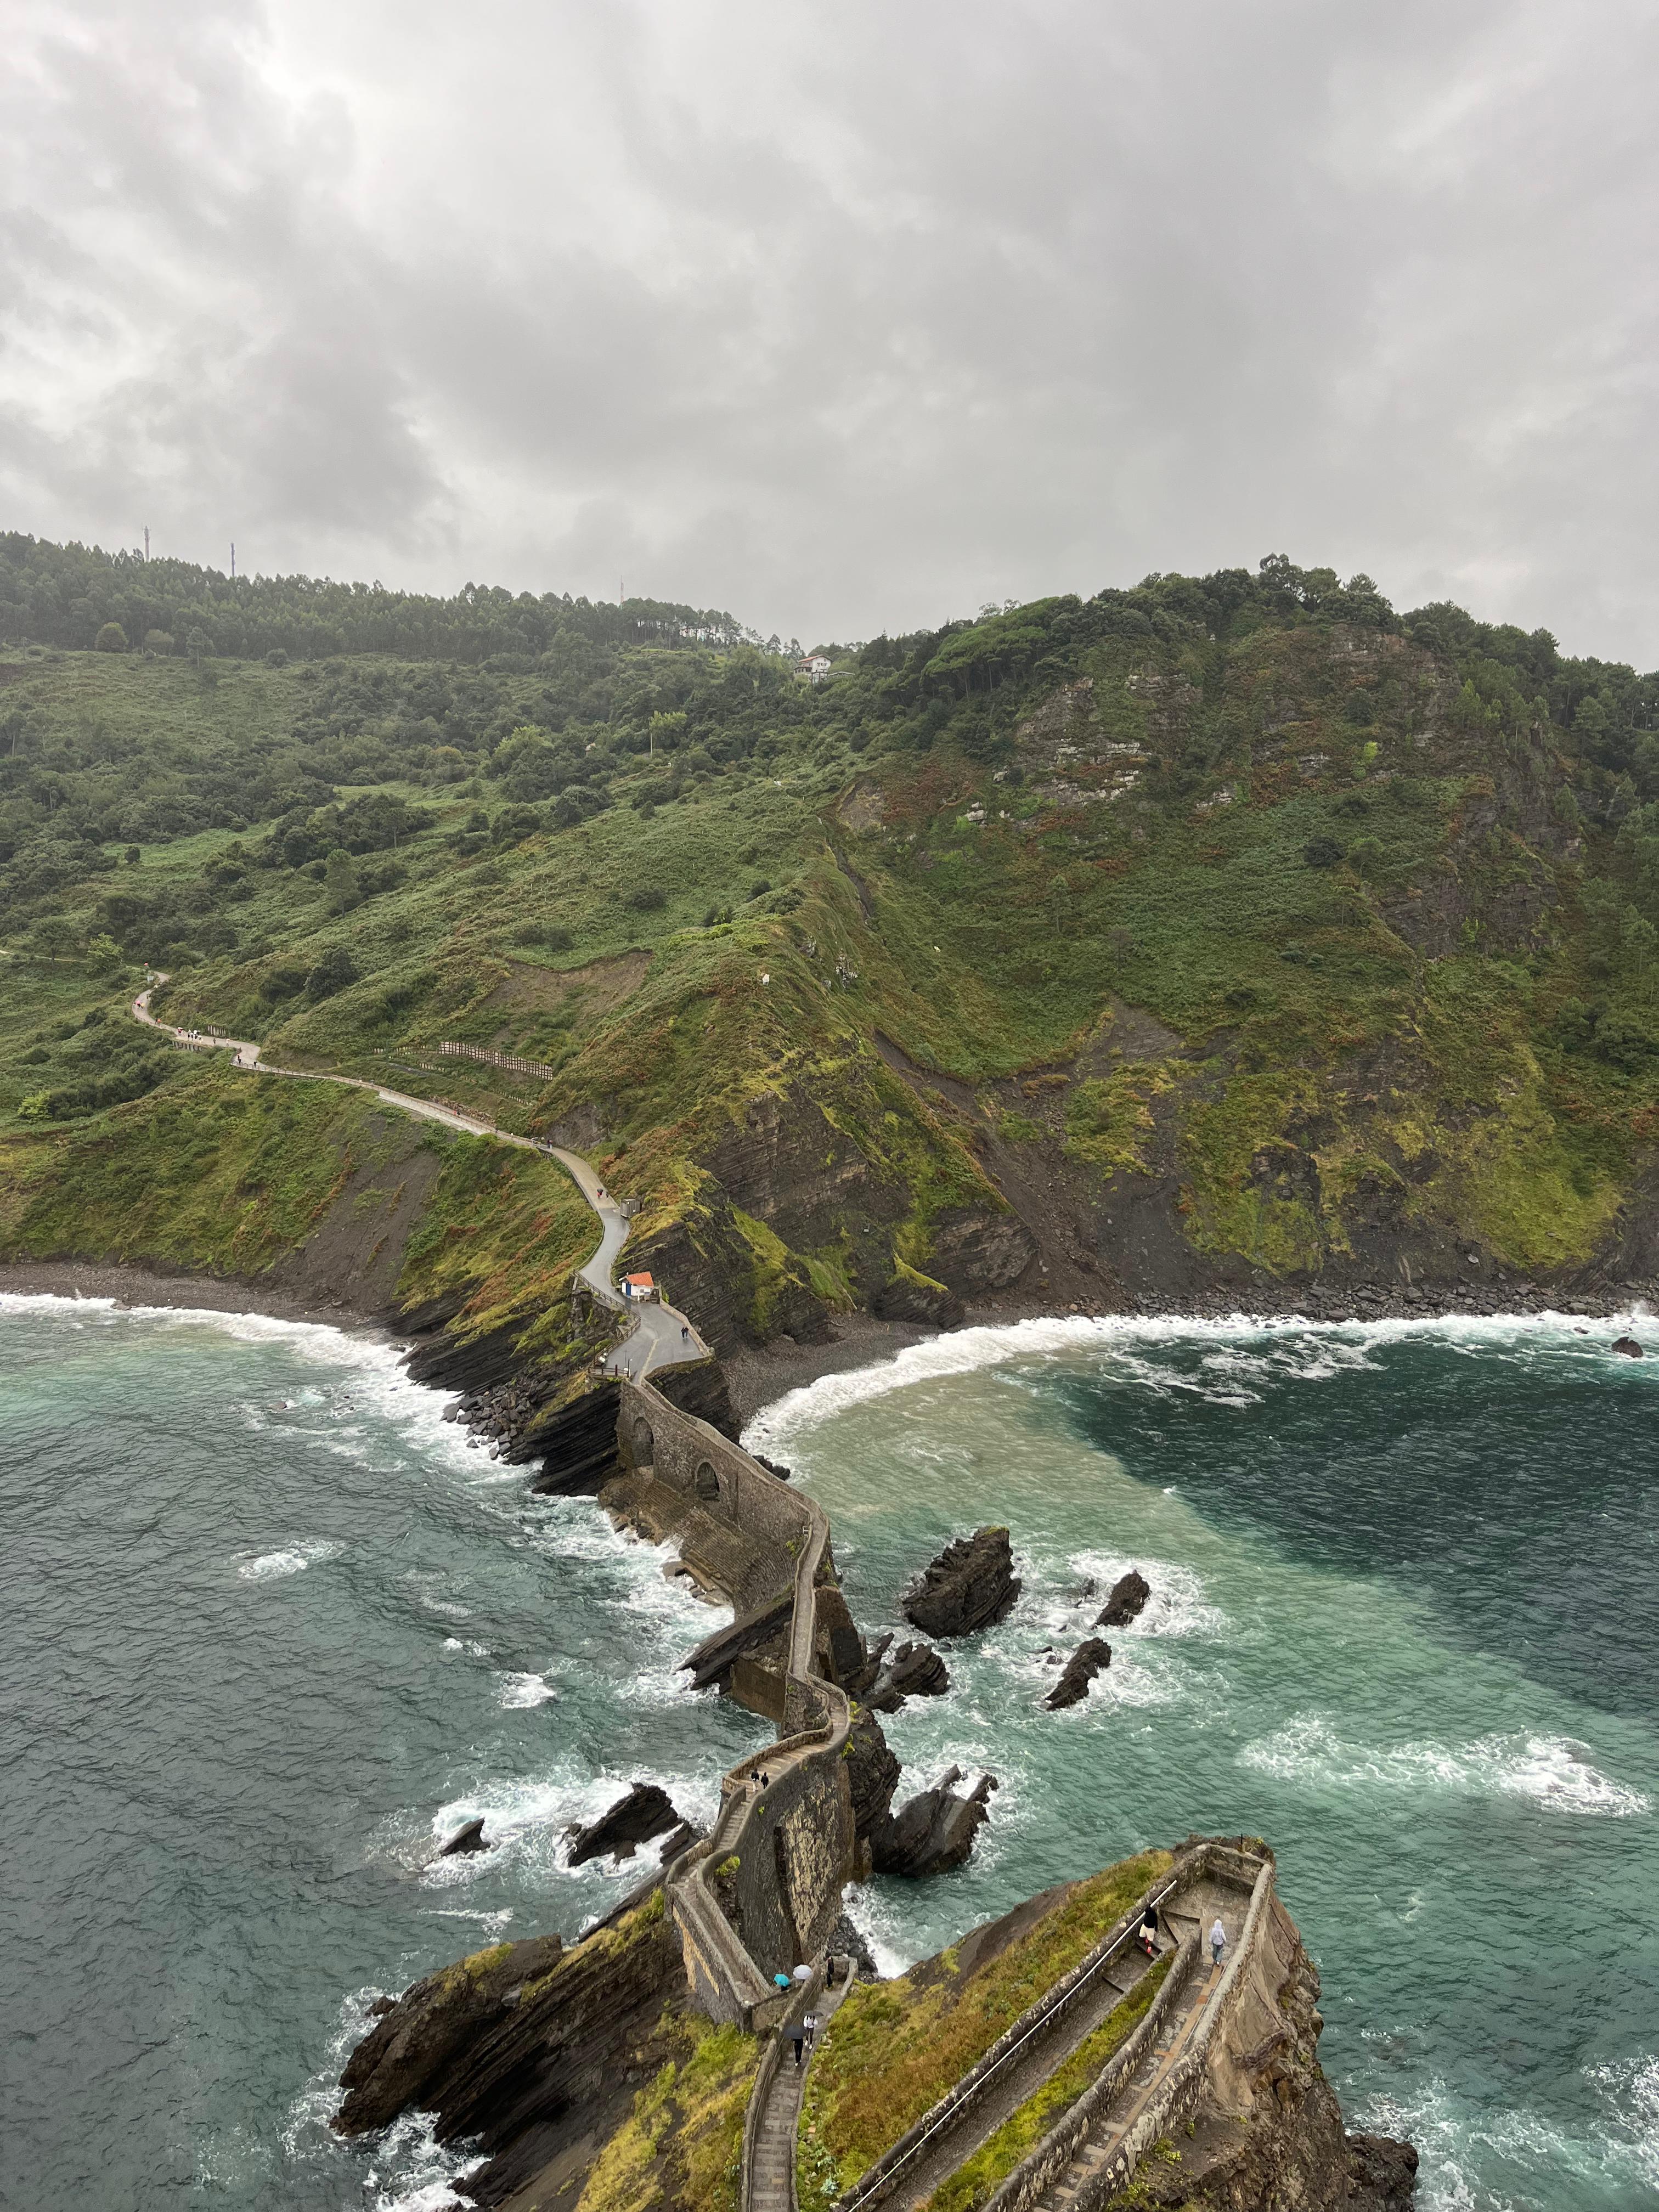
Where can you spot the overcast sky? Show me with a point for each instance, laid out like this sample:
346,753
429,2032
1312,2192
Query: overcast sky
844,317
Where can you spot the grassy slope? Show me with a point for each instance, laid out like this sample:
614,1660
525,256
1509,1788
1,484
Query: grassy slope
894,2048
978,2179
682,2144
988,924
222,1173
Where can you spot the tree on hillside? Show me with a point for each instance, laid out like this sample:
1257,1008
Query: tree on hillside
112,638
333,972
54,935
340,882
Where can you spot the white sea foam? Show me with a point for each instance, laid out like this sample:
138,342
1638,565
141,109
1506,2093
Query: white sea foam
1178,1606
1547,1771
526,1818
369,1376
1251,1348
1629,2088
884,1928
519,1692
1473,2154
52,1301
273,1567
411,2171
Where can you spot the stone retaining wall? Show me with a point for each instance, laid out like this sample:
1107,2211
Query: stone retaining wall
1177,2096
762,1894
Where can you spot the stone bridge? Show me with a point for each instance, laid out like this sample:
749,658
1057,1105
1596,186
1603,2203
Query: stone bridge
762,1894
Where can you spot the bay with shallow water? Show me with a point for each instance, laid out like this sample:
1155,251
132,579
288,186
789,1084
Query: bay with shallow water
270,1629
1406,1580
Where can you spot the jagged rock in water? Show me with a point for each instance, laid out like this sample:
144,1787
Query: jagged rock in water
646,1811
397,2062
783,1473
1129,1594
1093,1654
847,1942
872,1772
678,1840
933,1831
1629,1347
712,1660
470,1837
860,1683
1381,2174
971,1584
915,1670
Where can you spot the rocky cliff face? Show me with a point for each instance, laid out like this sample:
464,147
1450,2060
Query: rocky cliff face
1268,2131
535,2050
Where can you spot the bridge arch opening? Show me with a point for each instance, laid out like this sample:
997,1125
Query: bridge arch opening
643,1443
706,1484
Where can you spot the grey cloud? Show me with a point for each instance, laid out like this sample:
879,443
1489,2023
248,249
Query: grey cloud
847,319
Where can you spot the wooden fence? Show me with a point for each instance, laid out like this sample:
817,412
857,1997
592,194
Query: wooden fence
507,1060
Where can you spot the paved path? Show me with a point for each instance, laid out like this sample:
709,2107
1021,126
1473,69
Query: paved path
771,2178
661,1335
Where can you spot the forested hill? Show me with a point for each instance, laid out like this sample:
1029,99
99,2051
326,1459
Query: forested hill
70,595
1220,927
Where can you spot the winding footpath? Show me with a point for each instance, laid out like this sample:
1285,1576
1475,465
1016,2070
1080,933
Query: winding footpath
661,1335
1085,2156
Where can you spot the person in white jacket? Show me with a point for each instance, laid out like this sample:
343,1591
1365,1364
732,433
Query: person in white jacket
1217,1941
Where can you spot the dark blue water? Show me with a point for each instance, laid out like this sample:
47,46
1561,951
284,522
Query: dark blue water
1405,1625
269,1631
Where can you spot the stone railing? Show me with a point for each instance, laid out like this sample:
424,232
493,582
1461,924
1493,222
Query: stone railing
762,1894
1173,2097
984,2079
766,2073
1176,2096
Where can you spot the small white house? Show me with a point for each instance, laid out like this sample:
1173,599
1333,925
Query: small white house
813,668
639,1286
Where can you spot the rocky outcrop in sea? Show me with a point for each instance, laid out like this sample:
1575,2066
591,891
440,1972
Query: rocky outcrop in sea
970,1585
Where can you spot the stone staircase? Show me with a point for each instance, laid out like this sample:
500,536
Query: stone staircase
1094,2147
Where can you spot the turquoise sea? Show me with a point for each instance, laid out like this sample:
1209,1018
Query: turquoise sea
270,1629
1406,1584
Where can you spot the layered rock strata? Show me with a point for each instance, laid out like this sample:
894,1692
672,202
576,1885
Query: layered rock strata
970,1585
1091,1657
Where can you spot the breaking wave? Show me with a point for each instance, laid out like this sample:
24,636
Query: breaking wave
1547,1771
1248,1350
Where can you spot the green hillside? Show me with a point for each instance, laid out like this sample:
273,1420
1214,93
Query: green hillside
1218,926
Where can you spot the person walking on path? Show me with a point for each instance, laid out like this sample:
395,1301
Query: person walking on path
1217,1941
798,2037
812,2024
